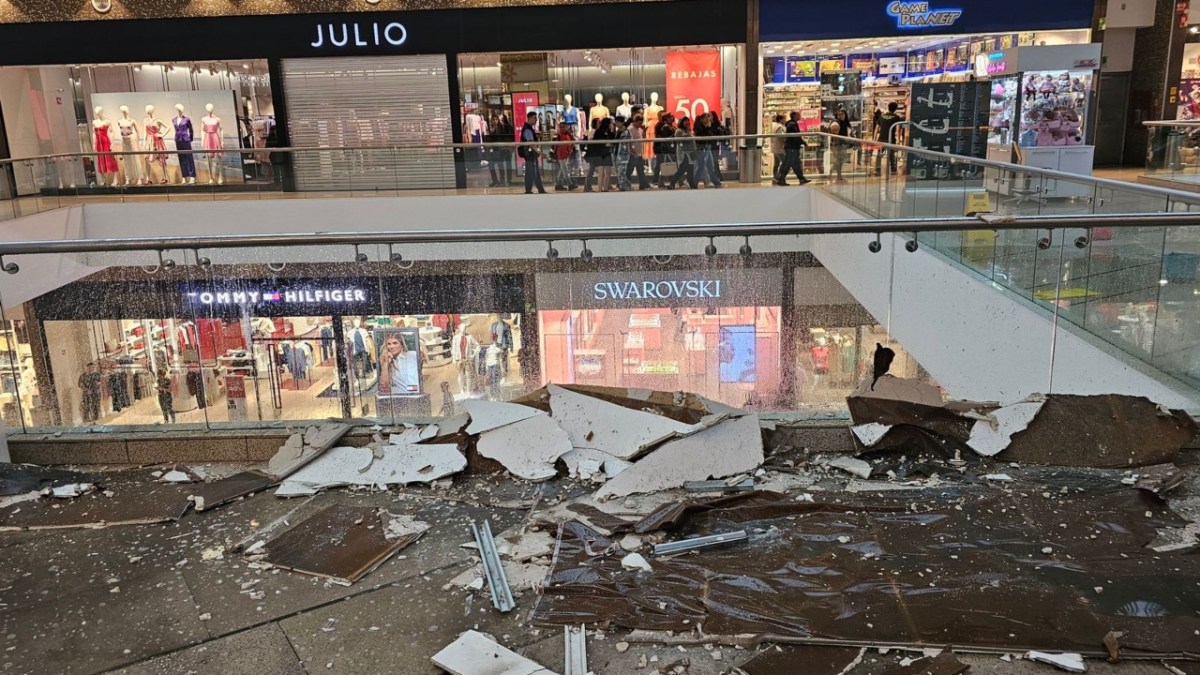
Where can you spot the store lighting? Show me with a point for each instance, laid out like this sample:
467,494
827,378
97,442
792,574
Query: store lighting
245,66
1163,282
711,249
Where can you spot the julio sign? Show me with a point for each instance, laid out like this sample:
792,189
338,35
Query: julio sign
353,35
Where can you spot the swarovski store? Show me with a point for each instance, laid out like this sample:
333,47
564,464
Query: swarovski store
357,86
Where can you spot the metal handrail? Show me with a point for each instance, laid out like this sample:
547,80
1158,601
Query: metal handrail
1171,123
859,226
1180,195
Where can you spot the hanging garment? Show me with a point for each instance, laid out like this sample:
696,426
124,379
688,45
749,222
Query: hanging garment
195,386
360,344
154,142
212,137
105,162
118,389
326,344
129,144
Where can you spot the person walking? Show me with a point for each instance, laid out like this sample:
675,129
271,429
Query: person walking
599,155
501,165
793,146
840,129
705,158
664,151
623,152
777,150
637,159
562,154
883,134
531,154
686,151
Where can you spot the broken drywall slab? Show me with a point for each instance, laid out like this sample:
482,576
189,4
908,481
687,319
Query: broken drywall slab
398,465
521,576
225,490
1068,661
413,434
942,664
850,465
871,433
992,434
473,653
583,463
817,660
725,449
519,545
900,389
487,415
614,429
1111,430
528,448
70,490
299,449
342,543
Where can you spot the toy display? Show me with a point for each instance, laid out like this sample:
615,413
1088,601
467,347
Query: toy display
1051,106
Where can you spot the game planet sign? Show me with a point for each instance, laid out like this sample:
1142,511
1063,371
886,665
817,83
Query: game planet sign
919,15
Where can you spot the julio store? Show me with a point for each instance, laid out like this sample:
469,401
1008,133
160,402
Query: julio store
351,87
924,57
217,352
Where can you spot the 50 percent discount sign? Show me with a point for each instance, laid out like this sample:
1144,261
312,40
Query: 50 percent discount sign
693,82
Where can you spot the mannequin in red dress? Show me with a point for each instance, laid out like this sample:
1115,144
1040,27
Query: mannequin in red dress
106,164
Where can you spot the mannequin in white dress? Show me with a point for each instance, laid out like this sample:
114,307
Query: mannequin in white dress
155,130
211,128
131,141
624,110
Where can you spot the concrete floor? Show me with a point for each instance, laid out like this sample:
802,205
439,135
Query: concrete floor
130,599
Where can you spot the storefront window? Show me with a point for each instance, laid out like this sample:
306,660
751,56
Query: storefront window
582,86
864,76
125,107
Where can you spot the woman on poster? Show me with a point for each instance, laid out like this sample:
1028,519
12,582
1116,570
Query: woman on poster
400,367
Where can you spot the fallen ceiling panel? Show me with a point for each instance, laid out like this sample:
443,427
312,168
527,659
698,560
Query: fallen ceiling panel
225,490
342,543
730,447
614,429
137,499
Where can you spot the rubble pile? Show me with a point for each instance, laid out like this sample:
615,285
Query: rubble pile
1041,531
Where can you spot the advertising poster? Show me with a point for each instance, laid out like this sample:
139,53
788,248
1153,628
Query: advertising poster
864,63
399,359
737,354
693,82
775,70
523,103
830,65
801,70
891,65
1189,100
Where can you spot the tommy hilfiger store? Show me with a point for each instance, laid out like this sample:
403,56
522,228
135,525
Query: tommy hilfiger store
355,85
259,350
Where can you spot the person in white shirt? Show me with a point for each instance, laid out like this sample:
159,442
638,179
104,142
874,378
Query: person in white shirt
463,350
495,356
637,160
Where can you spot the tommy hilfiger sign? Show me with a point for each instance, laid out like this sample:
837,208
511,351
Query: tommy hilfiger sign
299,296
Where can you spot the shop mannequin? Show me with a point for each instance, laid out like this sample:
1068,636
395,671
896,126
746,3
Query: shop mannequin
213,143
502,338
131,140
726,113
106,164
653,115
598,111
624,110
183,142
571,115
464,349
156,129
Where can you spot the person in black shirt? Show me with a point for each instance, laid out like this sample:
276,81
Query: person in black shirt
531,154
793,147
883,134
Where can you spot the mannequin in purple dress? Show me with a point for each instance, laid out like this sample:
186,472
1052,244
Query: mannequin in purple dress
183,143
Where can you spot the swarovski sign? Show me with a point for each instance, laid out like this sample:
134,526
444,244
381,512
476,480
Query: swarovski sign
304,296
657,290
353,35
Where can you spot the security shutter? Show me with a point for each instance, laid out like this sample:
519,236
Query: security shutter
385,121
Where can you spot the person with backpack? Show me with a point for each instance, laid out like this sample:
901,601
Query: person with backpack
686,150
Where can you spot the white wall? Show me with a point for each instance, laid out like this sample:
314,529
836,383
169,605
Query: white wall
41,274
1117,54
977,341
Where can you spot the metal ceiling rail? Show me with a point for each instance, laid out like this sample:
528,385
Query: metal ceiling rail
857,226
